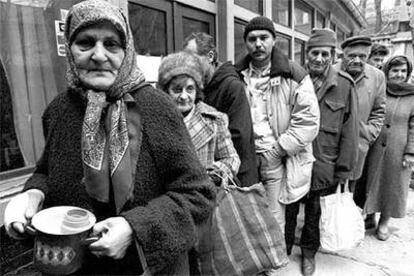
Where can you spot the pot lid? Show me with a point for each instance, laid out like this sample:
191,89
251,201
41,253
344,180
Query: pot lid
54,220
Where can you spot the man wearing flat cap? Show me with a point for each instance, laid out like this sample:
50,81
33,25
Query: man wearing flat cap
370,88
335,147
377,55
284,109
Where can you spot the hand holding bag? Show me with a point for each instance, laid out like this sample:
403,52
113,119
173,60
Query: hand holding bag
341,224
242,236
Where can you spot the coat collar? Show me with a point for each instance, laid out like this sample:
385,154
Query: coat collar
330,81
201,129
280,64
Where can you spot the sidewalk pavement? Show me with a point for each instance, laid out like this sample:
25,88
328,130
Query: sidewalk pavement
373,257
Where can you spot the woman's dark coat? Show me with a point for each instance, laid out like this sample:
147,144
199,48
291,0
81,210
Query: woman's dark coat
336,146
386,179
172,194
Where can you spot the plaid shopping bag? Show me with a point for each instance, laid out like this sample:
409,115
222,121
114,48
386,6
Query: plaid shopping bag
242,237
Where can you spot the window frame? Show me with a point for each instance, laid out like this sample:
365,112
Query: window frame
304,7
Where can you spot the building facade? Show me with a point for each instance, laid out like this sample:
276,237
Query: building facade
32,60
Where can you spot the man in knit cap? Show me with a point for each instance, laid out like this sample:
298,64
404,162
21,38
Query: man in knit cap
335,147
370,88
284,111
377,55
224,90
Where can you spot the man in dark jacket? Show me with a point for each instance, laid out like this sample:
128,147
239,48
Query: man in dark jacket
225,91
335,147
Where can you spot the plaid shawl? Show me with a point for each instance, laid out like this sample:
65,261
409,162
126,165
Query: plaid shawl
208,129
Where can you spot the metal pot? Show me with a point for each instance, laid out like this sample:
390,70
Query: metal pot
61,238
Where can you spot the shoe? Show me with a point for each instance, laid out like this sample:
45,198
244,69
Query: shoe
383,236
370,222
308,266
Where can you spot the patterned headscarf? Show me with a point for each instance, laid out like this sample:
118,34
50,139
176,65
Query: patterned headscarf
105,151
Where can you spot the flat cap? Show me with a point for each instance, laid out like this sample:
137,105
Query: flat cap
357,40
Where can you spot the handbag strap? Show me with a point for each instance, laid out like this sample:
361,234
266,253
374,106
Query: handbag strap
226,177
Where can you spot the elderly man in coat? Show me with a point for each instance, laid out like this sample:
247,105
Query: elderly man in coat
370,87
284,110
335,147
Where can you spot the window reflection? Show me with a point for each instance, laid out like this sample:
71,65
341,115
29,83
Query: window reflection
300,51
255,6
149,29
303,17
239,46
320,20
280,12
10,154
283,44
32,75
191,26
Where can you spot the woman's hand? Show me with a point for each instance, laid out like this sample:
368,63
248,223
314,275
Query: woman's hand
116,236
408,161
20,210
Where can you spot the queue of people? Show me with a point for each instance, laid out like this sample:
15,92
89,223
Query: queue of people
146,161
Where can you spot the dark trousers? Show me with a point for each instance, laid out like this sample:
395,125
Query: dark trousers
310,238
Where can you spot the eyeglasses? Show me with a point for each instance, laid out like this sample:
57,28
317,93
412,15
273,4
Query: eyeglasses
190,89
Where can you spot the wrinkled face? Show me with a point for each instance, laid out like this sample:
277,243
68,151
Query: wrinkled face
319,59
98,54
376,60
259,44
355,58
183,90
398,73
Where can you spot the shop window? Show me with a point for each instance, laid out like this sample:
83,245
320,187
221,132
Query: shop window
11,156
189,20
320,20
340,35
300,51
283,43
333,26
303,17
149,28
239,46
191,25
255,6
281,12
32,72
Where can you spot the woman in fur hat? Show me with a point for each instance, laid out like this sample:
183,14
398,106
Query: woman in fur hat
181,76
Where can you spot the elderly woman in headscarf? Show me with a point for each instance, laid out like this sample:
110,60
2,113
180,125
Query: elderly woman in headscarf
391,158
181,76
118,147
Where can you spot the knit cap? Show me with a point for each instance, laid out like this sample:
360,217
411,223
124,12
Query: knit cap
322,38
259,23
181,63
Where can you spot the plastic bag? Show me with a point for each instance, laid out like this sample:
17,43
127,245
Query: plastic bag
341,224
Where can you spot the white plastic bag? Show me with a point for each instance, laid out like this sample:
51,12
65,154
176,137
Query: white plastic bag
341,224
